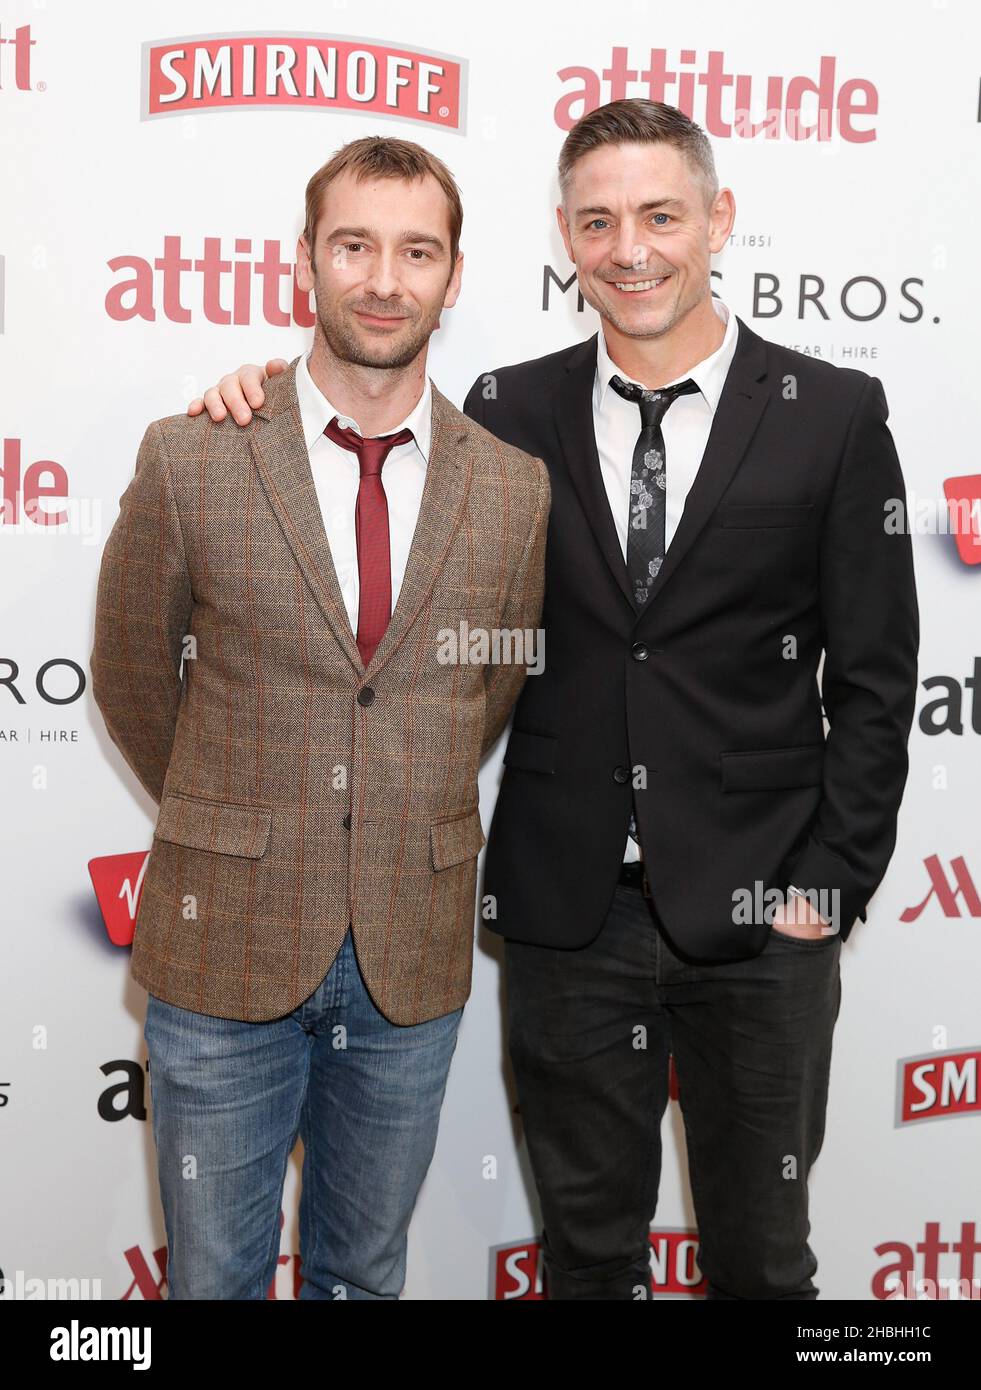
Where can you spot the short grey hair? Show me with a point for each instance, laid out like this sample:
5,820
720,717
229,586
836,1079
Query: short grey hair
639,120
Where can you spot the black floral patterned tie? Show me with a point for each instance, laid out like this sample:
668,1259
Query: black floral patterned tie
648,492
648,483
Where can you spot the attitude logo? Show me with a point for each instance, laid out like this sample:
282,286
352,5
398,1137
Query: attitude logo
929,1268
35,498
945,712
219,287
32,496
15,60
727,104
221,72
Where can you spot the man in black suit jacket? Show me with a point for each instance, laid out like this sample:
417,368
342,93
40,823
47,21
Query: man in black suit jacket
678,850
697,710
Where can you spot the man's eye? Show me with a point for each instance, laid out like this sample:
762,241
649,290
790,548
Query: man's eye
594,221
417,251
664,215
353,245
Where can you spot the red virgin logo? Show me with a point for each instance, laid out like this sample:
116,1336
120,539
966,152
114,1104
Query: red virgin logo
118,883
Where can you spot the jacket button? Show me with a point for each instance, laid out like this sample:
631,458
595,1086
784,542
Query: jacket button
347,822
640,651
365,695
621,774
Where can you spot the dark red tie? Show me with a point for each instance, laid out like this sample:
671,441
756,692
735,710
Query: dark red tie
371,532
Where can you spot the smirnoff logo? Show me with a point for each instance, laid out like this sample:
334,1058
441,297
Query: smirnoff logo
517,1273
212,72
938,1085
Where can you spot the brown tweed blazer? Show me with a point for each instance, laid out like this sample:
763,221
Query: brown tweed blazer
300,793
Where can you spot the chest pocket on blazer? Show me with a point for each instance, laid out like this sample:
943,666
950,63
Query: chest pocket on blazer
221,827
455,603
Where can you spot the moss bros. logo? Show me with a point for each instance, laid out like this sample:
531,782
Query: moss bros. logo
210,72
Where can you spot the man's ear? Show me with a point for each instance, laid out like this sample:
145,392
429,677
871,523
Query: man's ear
722,215
305,268
453,288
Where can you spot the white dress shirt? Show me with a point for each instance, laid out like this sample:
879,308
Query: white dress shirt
337,476
685,427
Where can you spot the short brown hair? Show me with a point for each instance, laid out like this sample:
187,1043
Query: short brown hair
376,157
646,122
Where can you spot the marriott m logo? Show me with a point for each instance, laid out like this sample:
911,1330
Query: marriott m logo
947,893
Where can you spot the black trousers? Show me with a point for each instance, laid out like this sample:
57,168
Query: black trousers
590,1034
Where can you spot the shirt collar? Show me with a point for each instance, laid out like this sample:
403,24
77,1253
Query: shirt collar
316,411
709,375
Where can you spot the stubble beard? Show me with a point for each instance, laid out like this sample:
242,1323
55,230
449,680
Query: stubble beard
344,343
663,325
673,316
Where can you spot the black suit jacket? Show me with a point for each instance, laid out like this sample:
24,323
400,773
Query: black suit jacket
711,694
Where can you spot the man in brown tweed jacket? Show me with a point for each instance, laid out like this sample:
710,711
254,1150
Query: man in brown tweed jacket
306,921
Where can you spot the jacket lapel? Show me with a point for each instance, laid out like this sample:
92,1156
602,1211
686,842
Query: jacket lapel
280,453
440,514
283,463
740,406
573,402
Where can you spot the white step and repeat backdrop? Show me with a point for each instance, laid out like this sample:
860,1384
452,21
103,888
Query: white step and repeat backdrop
147,234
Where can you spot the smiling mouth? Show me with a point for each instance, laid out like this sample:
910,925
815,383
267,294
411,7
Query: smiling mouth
639,286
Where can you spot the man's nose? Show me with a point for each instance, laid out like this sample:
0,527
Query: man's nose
383,279
629,251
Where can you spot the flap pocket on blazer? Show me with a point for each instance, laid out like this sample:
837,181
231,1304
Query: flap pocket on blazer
531,752
222,827
766,514
766,768
457,840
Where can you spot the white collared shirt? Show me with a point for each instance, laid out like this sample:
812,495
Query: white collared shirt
337,476
685,427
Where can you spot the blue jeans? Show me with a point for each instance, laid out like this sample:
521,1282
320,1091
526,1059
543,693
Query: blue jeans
229,1099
